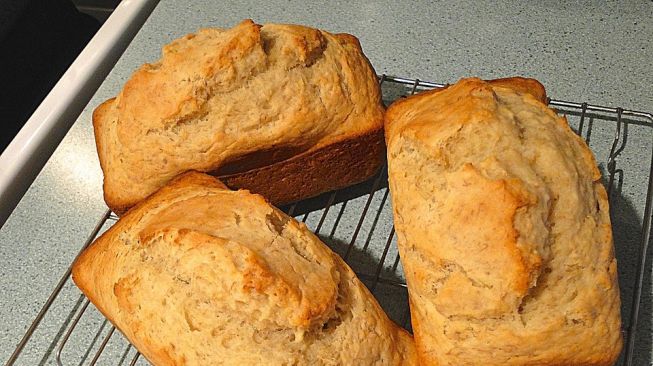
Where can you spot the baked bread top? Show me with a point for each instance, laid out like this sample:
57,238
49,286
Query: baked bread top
504,229
201,275
220,94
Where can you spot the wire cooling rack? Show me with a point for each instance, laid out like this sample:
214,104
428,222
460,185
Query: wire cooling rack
357,223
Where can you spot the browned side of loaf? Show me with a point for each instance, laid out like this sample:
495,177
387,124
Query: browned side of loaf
325,169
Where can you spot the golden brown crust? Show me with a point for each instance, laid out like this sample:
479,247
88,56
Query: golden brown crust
344,163
249,96
522,85
517,83
98,117
503,228
197,274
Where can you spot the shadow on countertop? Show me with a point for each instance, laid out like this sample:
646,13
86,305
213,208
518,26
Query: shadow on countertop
627,234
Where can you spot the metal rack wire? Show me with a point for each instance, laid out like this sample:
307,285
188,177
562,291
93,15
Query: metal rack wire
357,223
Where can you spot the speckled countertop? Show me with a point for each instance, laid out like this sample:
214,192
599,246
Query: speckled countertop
595,51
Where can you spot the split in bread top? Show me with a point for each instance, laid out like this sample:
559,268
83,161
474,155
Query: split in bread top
201,275
266,93
503,228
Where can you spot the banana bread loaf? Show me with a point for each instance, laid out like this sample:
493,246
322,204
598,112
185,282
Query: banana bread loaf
282,110
503,229
201,275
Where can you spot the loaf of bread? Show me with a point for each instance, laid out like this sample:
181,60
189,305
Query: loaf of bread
201,275
282,110
503,229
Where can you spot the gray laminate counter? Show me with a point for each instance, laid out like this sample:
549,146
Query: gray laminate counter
595,51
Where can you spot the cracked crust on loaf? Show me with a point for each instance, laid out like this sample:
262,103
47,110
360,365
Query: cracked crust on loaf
503,229
198,274
247,102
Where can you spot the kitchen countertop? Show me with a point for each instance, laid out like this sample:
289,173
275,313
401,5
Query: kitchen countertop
592,51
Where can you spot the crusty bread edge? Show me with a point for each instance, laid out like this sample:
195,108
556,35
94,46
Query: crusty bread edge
99,120
309,174
517,83
522,85
82,275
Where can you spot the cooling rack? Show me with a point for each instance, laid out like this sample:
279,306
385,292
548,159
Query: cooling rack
356,222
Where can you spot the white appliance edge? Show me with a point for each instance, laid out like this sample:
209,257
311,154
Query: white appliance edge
25,156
